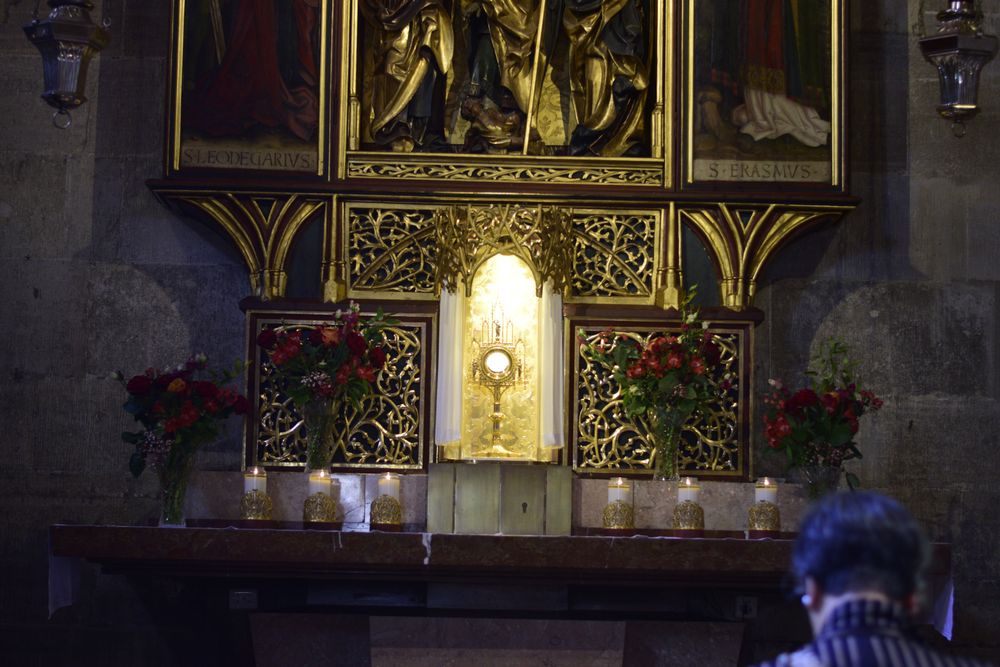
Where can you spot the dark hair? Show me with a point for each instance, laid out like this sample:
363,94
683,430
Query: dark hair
861,541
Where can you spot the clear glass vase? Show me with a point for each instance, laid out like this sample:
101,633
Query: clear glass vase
174,474
665,432
820,480
318,419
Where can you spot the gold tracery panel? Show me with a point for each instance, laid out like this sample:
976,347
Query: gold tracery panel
607,440
391,249
386,431
536,170
614,254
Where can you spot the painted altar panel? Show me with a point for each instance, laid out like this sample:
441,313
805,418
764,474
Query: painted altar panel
250,85
763,96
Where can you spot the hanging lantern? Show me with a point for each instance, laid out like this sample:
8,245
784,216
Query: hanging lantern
959,50
67,40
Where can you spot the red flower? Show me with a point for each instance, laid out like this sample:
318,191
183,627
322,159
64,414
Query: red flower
635,371
316,337
674,360
830,402
803,398
356,343
139,385
267,339
205,389
343,374
366,373
697,366
378,357
330,336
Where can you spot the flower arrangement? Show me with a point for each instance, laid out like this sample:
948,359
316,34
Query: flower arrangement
320,367
666,379
180,409
815,426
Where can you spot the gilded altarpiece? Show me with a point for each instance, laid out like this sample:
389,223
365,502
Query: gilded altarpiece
432,135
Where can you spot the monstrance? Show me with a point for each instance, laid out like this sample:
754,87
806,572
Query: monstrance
497,366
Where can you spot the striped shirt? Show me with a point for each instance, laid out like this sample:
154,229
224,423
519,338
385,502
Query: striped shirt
868,633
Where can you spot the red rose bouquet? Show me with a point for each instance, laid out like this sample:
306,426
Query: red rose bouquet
318,368
665,379
179,409
815,426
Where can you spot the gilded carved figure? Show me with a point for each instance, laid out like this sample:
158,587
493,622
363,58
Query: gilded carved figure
490,61
413,53
506,60
609,77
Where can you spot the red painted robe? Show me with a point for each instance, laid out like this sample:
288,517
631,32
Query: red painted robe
247,88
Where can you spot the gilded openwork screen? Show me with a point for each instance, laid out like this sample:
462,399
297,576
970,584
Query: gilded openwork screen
614,255
386,431
714,443
391,249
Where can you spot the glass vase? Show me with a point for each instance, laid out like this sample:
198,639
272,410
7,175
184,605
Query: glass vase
820,480
666,435
174,476
318,420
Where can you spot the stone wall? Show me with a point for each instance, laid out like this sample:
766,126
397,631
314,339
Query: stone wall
910,281
97,276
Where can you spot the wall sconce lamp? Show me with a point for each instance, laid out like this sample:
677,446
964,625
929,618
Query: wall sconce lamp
67,40
959,50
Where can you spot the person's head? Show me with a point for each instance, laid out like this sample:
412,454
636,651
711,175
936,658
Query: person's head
859,544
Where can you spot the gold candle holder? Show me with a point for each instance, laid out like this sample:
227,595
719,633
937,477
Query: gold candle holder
319,508
386,511
255,505
619,513
764,516
688,515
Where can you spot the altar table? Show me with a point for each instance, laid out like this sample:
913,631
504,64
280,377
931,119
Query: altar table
241,571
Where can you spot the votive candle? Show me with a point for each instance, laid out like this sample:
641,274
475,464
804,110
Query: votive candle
619,489
766,490
688,490
388,485
319,482
255,479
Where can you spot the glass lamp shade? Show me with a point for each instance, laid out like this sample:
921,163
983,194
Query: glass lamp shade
959,51
67,40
